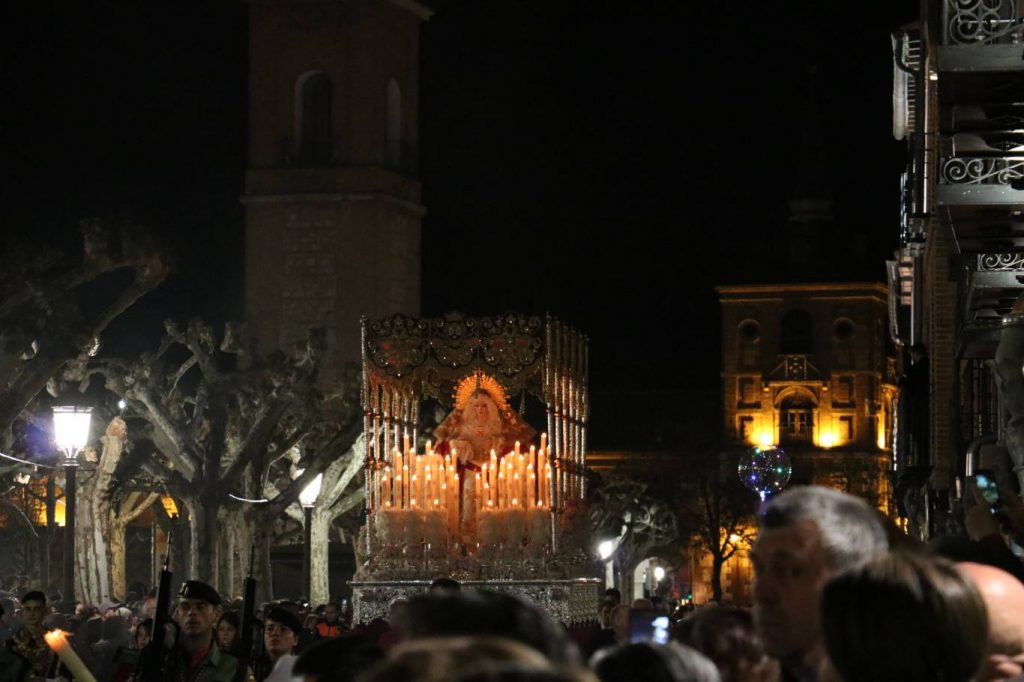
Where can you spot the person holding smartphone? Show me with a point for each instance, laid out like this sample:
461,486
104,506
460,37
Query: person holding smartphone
983,513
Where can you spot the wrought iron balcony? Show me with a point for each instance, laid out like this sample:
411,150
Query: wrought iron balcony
981,22
998,173
981,35
995,280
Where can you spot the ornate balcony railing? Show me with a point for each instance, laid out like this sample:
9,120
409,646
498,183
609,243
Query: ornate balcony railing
981,22
1000,262
958,170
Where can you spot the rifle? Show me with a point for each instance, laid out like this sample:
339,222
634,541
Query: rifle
151,660
244,651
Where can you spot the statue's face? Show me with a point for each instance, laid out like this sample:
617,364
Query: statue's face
481,409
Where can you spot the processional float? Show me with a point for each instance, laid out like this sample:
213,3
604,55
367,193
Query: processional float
483,498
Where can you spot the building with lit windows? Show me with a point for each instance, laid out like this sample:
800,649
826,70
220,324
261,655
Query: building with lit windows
808,367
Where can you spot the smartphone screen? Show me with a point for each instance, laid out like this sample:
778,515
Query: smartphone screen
648,626
986,483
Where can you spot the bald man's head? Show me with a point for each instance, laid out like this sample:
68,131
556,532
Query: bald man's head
1004,600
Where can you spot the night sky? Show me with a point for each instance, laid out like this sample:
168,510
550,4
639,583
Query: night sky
609,163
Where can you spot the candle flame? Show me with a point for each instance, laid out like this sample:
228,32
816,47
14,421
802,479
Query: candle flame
56,638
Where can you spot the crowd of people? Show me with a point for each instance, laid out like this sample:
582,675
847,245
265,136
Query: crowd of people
838,597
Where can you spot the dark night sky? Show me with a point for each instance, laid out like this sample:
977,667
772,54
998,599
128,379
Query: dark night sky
607,162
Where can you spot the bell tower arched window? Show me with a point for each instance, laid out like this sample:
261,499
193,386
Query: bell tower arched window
314,141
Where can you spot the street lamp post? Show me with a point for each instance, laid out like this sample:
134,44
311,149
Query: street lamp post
307,498
71,433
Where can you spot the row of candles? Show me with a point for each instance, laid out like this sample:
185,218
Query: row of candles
519,480
430,481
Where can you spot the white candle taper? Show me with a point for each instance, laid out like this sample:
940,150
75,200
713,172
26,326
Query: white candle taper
57,640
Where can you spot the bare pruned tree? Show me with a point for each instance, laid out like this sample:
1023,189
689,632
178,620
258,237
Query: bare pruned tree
224,423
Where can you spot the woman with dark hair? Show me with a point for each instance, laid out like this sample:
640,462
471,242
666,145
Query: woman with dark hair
726,635
227,631
902,617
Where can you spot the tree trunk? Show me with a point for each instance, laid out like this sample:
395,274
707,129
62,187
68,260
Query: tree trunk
116,544
320,541
129,510
205,530
196,519
92,531
716,576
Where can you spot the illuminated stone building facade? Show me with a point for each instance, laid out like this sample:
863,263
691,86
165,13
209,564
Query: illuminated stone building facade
807,367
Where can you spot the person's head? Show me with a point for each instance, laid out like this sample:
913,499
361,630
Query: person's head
398,615
281,631
143,633
670,662
805,536
620,623
57,621
198,610
91,631
483,613
444,586
115,629
332,612
227,629
6,610
613,596
33,609
725,634
903,616
339,659
1004,600
450,658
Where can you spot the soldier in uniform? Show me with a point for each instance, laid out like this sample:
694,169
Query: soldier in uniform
196,656
28,643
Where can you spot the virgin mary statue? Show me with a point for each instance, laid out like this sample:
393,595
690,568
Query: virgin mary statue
481,422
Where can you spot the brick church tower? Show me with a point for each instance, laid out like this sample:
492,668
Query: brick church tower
332,198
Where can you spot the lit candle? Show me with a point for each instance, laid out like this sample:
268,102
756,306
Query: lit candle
57,640
517,447
544,441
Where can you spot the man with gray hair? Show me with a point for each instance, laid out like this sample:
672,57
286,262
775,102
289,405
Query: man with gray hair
805,536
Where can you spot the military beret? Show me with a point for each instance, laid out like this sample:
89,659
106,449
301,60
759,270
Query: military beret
285,618
194,589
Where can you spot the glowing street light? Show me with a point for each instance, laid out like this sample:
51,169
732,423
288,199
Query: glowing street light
71,434
606,549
